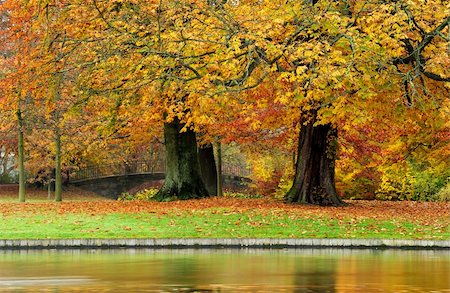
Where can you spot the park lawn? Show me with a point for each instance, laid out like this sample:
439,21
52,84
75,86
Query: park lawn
221,217
211,223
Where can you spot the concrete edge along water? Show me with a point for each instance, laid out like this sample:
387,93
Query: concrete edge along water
263,243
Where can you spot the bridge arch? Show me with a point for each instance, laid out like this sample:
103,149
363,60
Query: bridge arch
110,180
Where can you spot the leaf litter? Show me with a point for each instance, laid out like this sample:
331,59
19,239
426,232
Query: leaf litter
424,212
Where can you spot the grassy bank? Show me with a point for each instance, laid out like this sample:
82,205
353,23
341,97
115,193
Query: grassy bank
211,223
85,216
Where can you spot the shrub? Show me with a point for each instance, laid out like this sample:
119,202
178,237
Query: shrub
284,183
395,185
360,184
241,195
444,193
6,178
414,182
146,194
426,186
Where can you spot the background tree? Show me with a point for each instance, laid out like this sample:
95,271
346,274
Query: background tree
19,39
333,56
45,75
160,54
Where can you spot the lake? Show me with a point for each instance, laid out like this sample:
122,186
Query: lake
227,270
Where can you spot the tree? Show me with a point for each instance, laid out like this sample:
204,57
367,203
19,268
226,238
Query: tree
320,140
159,55
43,80
208,168
183,176
18,39
184,62
344,56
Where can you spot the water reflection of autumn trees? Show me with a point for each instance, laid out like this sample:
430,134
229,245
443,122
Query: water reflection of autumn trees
309,270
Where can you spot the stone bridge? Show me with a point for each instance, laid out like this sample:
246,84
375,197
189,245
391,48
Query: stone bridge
111,180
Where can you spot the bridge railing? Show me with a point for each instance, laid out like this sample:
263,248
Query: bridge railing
117,169
235,170
141,167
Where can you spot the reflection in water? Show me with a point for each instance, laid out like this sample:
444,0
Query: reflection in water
304,270
316,274
48,281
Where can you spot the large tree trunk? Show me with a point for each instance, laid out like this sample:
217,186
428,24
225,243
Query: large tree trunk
314,181
183,179
208,168
219,175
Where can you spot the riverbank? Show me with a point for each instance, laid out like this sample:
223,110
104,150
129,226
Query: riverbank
222,218
267,243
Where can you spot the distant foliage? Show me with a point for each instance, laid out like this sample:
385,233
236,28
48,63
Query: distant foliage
6,178
414,182
270,169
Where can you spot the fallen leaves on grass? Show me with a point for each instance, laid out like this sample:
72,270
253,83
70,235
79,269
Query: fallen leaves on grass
425,212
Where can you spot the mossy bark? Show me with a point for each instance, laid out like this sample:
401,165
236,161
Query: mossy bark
183,179
314,181
219,169
208,168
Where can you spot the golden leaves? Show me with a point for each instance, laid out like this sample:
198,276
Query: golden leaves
135,60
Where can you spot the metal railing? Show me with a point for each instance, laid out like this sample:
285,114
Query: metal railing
118,169
141,167
235,170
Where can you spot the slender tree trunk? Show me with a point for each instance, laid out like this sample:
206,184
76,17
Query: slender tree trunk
314,181
58,178
183,179
208,168
57,132
21,157
49,190
219,170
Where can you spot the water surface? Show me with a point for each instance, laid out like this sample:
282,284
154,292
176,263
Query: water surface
303,270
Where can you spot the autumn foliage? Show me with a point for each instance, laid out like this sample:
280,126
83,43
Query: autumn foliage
102,77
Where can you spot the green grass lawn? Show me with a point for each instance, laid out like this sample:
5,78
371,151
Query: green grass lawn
86,215
211,223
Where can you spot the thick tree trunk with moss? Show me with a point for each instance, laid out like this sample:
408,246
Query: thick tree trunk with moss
183,179
314,181
208,168
219,175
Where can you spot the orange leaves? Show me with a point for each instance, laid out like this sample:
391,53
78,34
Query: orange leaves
126,63
415,212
